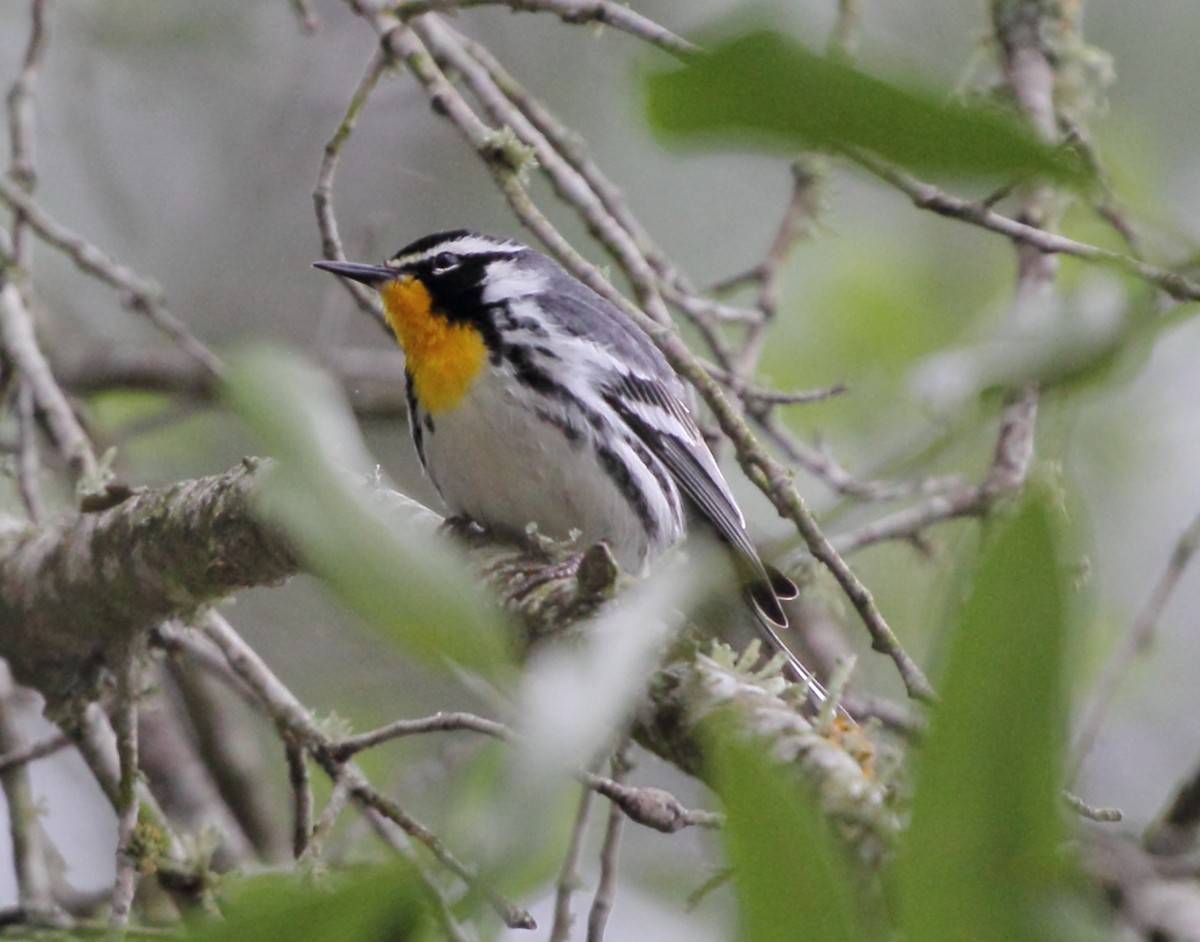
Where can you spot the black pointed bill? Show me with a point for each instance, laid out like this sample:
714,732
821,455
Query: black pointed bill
373,275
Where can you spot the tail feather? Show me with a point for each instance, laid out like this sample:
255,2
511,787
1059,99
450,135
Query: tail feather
783,587
768,627
768,619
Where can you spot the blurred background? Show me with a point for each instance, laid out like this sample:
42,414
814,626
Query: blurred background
185,139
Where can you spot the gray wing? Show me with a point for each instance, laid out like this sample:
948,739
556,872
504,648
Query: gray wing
657,414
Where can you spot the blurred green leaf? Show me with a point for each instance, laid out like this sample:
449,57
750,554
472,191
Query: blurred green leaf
790,882
388,902
764,88
984,853
574,703
396,573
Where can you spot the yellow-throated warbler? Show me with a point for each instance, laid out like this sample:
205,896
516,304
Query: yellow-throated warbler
532,399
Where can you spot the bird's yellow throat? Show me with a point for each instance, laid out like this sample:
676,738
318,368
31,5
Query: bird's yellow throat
442,357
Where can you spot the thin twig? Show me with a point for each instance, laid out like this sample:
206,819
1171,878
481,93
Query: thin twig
570,11
568,873
602,198
306,16
294,721
142,296
438,723
653,807
28,460
797,223
820,462
93,736
16,329
331,241
30,847
927,196
567,181
126,727
34,751
302,799
1011,459
22,121
843,41
325,824
606,889
1136,642
1091,812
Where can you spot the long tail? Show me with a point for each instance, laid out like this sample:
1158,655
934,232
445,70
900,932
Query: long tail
764,597
769,627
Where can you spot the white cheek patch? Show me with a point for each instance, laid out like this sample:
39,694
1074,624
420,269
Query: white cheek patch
510,279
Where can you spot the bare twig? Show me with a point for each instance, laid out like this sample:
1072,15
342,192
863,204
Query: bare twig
16,328
820,462
606,889
1091,812
306,15
173,766
142,296
652,807
1137,640
325,824
568,873
798,219
302,799
331,241
295,722
96,739
23,755
228,748
927,196
28,460
22,121
29,841
438,723
126,727
570,11
1011,459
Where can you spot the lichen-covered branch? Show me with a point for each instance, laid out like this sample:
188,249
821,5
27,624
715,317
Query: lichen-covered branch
75,596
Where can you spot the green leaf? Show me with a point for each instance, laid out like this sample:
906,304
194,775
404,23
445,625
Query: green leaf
984,854
391,568
764,88
376,903
790,882
573,704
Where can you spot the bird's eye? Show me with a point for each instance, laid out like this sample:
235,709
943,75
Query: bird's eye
444,262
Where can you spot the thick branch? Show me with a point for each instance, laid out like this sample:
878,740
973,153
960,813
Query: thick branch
163,553
75,596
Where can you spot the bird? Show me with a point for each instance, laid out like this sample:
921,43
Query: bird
534,400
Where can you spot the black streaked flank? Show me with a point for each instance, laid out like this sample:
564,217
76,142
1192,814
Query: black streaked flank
414,420
570,431
532,375
618,471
